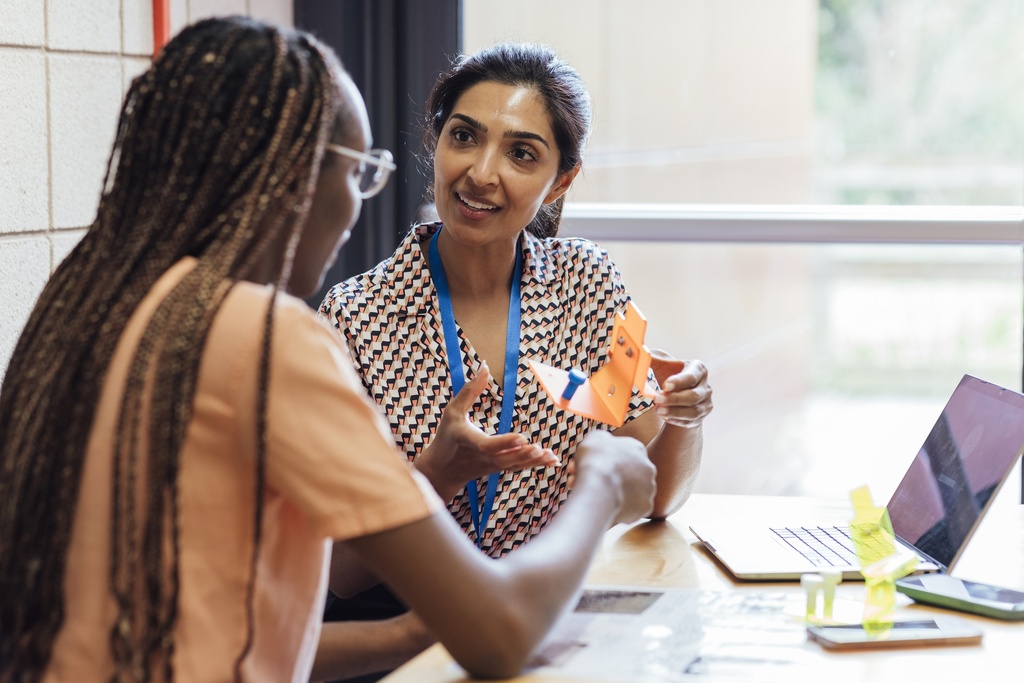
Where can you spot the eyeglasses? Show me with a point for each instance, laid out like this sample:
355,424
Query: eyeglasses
383,164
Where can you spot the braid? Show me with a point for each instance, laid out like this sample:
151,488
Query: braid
215,157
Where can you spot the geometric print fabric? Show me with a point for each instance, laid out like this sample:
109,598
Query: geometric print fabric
391,324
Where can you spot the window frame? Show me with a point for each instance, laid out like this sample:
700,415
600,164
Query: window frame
806,224
782,223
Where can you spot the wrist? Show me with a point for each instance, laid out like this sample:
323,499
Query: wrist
445,490
415,633
603,480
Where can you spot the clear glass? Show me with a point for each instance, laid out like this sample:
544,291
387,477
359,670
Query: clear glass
788,101
380,160
829,363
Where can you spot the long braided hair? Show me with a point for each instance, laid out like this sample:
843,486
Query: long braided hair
216,156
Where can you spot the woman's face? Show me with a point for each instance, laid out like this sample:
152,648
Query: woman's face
496,163
336,202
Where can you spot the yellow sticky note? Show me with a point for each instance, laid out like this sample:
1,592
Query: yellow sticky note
881,559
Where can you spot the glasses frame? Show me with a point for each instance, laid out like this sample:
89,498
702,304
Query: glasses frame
380,159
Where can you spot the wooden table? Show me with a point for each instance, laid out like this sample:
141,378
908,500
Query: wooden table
668,555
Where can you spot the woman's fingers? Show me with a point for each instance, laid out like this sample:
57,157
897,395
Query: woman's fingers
525,457
463,401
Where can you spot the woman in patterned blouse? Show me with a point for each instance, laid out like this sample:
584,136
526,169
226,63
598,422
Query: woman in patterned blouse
505,132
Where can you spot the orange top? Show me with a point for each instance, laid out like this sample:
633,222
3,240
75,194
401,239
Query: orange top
331,472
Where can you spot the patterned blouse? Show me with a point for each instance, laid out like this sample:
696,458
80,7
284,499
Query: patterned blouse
391,322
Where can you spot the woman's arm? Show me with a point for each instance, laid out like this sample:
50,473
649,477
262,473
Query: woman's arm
491,614
354,648
675,452
348,576
672,429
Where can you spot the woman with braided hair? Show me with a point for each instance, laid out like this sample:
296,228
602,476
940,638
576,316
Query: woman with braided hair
181,439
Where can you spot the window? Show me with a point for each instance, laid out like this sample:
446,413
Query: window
789,101
822,201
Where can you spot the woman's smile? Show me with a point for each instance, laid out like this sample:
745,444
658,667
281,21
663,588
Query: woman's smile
495,159
475,207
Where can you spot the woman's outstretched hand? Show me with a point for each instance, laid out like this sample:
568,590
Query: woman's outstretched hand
460,451
685,396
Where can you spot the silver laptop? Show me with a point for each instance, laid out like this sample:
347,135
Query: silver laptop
942,498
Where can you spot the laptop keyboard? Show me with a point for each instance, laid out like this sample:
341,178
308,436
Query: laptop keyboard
823,546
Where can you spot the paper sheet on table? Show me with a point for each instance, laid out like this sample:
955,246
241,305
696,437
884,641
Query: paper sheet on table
640,635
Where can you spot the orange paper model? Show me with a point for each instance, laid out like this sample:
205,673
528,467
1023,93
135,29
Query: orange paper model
605,395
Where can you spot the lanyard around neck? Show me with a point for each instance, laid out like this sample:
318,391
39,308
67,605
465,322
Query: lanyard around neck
457,370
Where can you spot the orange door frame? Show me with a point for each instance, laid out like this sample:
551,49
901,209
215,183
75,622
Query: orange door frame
161,25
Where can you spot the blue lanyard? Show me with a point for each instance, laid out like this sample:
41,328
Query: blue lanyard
457,370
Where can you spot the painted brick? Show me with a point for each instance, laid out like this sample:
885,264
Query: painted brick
137,27
200,9
179,15
62,243
23,152
86,25
85,101
24,269
22,23
132,67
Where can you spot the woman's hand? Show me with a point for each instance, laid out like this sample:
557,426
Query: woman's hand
460,451
624,461
685,396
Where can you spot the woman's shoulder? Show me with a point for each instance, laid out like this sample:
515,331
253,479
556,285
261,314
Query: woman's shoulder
574,255
390,275
358,289
250,300
235,341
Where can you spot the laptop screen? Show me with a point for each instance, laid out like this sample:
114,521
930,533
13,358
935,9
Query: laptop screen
969,452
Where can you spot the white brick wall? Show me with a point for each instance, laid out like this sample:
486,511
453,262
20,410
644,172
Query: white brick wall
23,151
25,264
22,22
84,26
85,96
64,67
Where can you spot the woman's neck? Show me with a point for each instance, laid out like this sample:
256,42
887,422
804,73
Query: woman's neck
477,272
